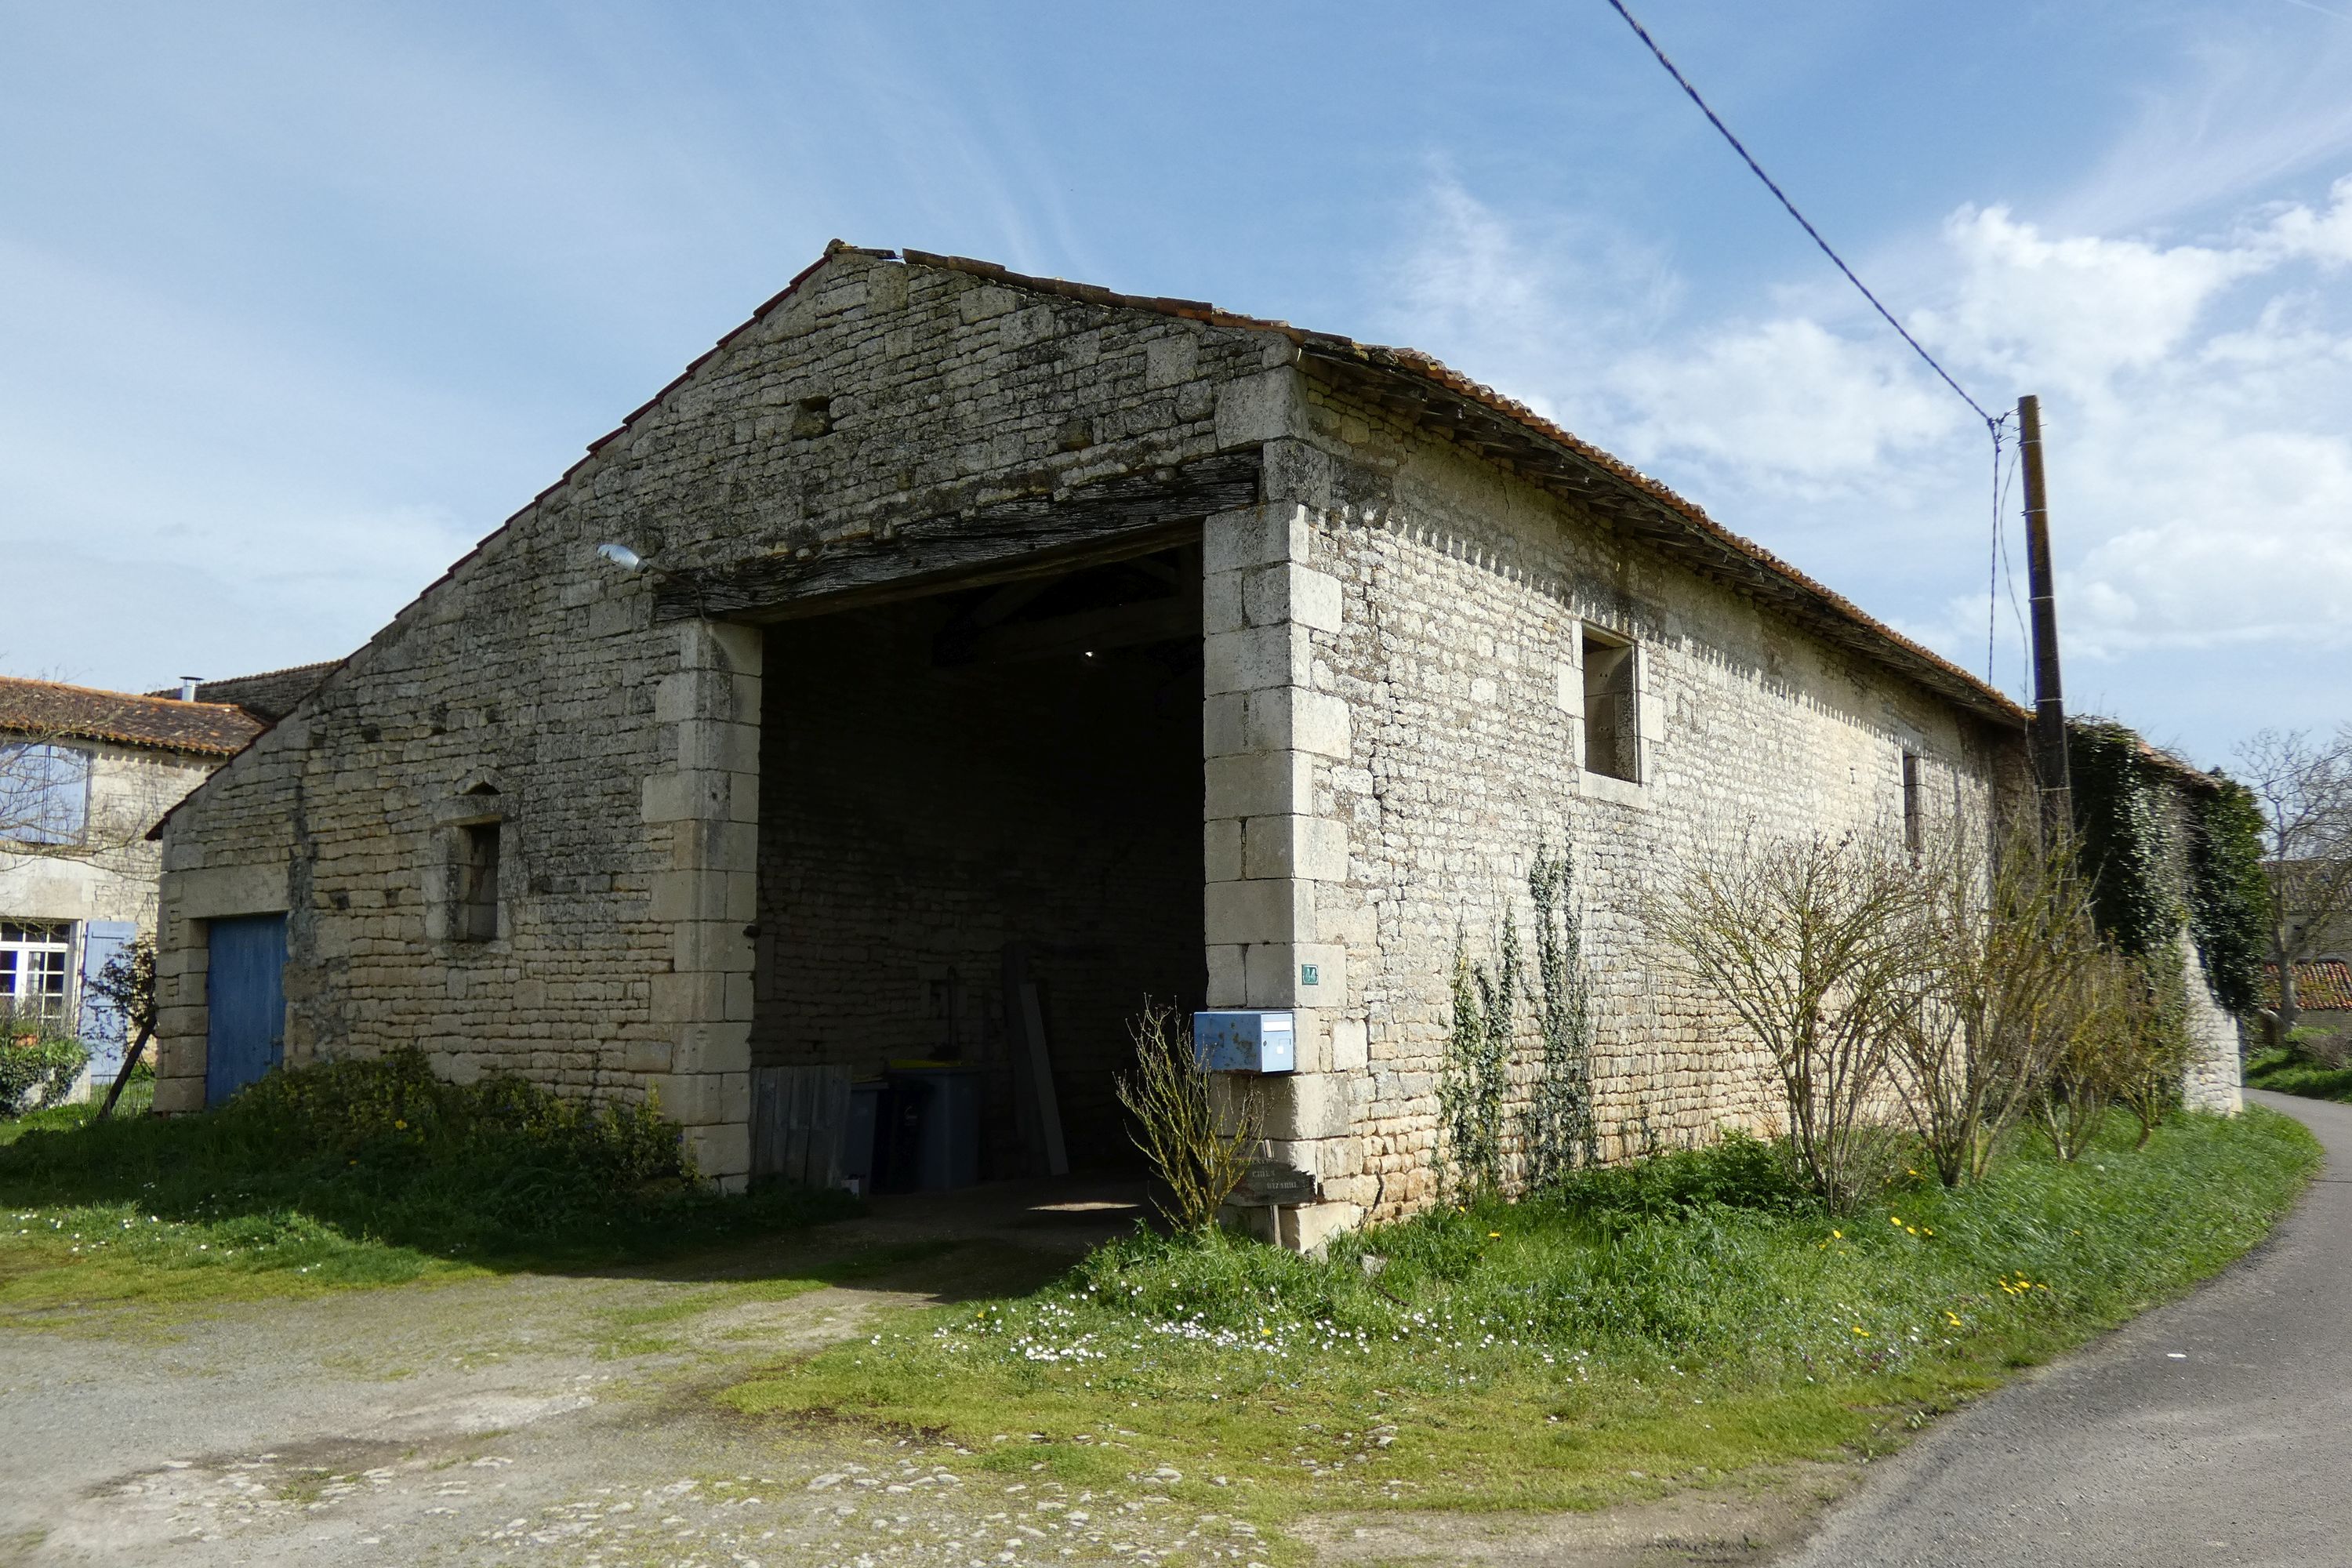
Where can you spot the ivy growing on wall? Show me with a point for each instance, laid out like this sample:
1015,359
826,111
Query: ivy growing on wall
2229,895
2128,851
2125,842
1560,1132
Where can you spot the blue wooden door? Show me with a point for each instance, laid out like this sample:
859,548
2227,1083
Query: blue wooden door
245,986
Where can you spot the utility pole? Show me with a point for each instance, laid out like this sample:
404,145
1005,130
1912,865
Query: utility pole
2049,703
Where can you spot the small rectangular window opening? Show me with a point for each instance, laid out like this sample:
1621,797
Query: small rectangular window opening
1611,712
478,882
1915,828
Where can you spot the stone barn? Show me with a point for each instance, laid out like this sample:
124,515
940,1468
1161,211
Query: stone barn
976,655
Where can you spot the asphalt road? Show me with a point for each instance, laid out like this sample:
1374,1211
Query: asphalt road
2215,1431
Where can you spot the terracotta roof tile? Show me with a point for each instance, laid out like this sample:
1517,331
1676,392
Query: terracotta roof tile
2322,987
47,710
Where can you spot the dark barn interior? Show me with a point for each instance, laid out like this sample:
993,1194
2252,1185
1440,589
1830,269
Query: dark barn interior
965,793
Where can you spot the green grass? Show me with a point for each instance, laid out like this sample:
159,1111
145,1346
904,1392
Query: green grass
360,1173
2288,1073
1651,1328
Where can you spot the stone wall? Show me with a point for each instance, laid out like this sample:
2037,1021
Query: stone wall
1390,710
1409,639
620,758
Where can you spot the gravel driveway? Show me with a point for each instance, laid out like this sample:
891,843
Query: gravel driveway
541,1420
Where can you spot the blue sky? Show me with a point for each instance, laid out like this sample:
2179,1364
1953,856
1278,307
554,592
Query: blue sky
297,302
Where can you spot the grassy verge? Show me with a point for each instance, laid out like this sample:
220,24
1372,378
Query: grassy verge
1654,1328
2288,1073
355,1174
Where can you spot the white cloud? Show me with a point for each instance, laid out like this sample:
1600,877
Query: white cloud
1788,399
2196,398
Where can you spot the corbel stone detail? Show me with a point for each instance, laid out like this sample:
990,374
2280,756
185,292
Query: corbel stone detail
699,1059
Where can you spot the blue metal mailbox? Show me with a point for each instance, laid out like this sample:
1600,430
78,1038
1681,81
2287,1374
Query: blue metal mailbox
1245,1041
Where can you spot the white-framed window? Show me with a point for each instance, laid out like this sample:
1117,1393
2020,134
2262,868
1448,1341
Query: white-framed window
1612,705
44,793
37,969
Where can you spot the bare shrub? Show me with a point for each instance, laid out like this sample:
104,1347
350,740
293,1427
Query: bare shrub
1811,943
1198,1155
1988,1019
2330,1049
2098,1018
2149,1075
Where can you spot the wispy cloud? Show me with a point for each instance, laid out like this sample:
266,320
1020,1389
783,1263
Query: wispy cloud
2198,396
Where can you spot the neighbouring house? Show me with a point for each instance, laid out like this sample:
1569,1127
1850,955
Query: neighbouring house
950,659
84,775
2324,989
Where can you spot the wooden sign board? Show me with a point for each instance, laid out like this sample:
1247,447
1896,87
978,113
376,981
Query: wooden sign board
1269,1184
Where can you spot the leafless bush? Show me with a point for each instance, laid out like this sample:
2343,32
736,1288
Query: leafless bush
1200,1157
1811,943
1999,936
2331,1049
2104,1019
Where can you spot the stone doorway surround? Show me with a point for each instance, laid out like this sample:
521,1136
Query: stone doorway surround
699,1063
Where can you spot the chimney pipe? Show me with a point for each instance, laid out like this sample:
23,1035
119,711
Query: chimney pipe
188,684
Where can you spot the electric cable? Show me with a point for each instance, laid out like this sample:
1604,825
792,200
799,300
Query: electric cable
1997,565
1802,222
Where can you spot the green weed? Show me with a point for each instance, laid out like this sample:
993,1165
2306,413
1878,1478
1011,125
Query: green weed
2288,1072
1645,1328
352,1173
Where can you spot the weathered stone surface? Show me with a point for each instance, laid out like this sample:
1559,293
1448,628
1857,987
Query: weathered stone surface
829,842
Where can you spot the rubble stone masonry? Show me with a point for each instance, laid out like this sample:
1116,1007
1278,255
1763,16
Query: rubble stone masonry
1391,712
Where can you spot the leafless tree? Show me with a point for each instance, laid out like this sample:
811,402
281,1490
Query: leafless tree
2001,936
1812,944
2304,787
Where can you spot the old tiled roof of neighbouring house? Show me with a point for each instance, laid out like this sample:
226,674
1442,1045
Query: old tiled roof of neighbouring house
268,695
2322,987
48,709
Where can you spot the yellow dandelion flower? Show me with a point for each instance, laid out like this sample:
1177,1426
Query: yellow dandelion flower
1494,1236
1839,1234
1862,1332
1894,1219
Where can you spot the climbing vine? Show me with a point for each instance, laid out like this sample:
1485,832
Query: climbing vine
2229,895
1560,1132
2124,841
1471,1090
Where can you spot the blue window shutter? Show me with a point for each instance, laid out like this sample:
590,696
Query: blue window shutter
54,783
101,1029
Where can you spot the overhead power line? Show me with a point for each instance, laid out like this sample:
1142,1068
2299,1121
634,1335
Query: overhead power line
1749,159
